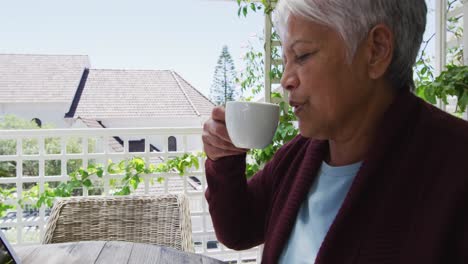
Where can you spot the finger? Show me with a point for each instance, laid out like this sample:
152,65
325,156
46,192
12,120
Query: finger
220,143
215,153
218,114
217,129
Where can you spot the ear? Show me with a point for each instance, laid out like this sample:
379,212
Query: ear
380,44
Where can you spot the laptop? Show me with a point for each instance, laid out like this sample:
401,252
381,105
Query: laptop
7,255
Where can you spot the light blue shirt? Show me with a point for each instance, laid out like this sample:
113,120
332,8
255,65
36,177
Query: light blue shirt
317,212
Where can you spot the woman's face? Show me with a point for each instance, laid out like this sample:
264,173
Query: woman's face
328,93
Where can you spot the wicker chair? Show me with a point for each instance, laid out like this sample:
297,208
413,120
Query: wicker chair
161,220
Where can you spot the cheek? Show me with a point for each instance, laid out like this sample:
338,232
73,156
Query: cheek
328,83
323,93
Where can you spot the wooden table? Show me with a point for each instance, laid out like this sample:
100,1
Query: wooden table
107,252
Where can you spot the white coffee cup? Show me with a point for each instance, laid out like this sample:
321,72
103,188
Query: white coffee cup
250,124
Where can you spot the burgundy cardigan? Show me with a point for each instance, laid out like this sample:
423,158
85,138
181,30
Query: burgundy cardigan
407,204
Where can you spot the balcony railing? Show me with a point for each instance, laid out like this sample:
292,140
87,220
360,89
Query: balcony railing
32,154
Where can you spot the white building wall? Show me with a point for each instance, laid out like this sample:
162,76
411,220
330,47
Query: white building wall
193,143
160,143
153,122
51,113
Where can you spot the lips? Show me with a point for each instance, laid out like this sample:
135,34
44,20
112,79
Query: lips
297,106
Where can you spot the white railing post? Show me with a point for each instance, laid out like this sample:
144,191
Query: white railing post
41,183
19,188
147,162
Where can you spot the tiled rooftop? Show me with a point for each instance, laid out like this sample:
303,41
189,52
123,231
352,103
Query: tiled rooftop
40,78
139,93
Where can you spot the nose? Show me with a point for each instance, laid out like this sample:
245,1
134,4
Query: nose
289,80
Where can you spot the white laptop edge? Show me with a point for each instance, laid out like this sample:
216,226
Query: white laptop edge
9,248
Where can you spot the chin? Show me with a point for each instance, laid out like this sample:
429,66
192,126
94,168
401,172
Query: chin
306,132
311,132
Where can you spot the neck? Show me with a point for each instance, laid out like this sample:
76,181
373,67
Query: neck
352,143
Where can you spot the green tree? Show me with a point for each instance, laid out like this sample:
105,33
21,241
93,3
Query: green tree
223,88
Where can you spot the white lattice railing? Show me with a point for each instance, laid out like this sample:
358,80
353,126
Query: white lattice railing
32,147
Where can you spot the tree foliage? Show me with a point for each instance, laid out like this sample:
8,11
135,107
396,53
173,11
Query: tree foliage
451,82
223,88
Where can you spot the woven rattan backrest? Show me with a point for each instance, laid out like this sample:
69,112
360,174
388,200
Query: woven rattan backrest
161,220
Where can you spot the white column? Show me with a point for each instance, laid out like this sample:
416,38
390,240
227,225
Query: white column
465,31
441,39
440,35
465,40
268,29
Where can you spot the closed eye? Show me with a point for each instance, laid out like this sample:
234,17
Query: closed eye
303,57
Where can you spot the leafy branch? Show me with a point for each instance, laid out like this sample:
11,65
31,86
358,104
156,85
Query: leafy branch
133,171
6,195
451,82
246,6
252,79
285,132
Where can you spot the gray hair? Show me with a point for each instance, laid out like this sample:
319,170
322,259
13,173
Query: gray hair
353,19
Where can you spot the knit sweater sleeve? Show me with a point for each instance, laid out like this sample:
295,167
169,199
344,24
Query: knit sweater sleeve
239,207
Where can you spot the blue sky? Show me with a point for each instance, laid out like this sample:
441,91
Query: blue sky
183,35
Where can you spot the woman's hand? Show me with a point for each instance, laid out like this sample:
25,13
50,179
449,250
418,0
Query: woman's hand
216,141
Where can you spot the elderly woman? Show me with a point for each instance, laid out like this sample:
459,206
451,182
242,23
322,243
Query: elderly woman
376,175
